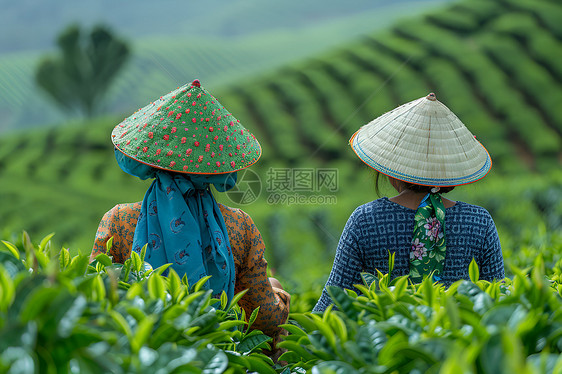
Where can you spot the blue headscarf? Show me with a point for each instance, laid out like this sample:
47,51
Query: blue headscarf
182,224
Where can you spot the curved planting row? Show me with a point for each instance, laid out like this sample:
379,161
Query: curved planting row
501,74
495,64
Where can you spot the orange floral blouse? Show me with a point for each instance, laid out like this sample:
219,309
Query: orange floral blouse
247,247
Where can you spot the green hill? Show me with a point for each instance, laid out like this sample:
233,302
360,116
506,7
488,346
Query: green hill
495,64
227,41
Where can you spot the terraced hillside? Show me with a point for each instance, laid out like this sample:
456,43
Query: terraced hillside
244,39
494,63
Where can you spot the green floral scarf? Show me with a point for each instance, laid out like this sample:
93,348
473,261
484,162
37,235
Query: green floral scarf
428,242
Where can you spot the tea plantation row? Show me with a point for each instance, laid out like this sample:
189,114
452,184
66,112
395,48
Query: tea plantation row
494,63
61,315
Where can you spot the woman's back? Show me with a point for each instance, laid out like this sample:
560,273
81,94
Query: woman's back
382,226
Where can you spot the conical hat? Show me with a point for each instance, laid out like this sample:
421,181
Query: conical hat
187,131
422,142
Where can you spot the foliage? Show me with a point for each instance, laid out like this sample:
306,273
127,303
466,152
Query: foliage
65,178
393,326
79,78
59,314
169,53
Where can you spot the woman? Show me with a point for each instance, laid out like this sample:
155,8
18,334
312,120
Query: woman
425,150
187,141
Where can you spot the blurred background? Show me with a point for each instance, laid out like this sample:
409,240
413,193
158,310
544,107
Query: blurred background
303,77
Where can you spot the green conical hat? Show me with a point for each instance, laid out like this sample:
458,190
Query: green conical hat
187,131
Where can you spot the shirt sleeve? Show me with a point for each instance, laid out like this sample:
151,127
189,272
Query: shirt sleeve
347,267
252,275
490,263
109,227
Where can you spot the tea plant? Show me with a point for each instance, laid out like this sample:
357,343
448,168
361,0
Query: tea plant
62,315
393,326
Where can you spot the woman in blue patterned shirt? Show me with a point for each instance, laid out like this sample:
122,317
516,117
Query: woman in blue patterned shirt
425,151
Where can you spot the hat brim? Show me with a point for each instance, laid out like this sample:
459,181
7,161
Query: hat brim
432,182
187,172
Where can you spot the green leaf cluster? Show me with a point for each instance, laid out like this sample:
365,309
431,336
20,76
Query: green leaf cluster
394,326
60,314
79,77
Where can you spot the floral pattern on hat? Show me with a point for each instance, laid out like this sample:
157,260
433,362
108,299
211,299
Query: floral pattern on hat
187,131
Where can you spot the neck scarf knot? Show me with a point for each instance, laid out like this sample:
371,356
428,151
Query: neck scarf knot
181,223
427,255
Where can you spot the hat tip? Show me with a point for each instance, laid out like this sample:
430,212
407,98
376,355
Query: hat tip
431,96
196,83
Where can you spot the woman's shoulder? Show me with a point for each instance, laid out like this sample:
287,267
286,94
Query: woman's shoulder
130,207
125,209
466,213
126,212
382,205
470,209
235,213
235,217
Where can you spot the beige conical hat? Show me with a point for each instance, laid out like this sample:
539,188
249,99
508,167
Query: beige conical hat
422,142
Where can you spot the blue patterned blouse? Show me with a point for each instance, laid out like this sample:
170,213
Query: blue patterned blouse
381,226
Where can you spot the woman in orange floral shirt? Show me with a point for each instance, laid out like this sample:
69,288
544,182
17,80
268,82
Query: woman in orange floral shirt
187,141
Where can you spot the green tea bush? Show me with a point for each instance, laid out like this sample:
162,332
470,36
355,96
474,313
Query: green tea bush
452,19
547,12
276,123
62,315
481,9
295,99
533,79
65,178
391,326
542,45
374,91
335,103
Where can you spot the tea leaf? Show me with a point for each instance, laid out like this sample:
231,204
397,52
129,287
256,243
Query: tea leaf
64,258
121,323
144,329
12,248
235,299
227,325
156,287
44,245
104,259
109,245
27,244
368,279
143,252
217,364
7,289
259,366
200,283
253,317
342,300
137,262
223,300
293,330
251,343
391,256
473,271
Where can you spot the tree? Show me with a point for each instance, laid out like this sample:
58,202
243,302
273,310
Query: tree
78,78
